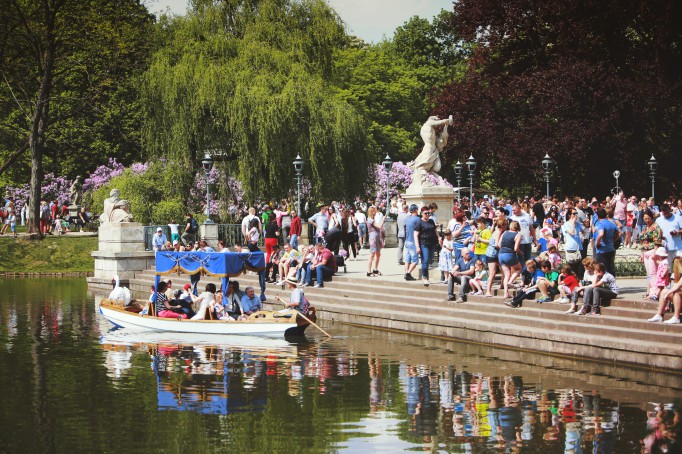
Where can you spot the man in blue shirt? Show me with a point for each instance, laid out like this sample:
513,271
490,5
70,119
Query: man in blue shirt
411,256
605,233
159,240
250,303
462,273
671,226
321,223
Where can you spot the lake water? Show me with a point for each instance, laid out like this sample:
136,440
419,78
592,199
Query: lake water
73,383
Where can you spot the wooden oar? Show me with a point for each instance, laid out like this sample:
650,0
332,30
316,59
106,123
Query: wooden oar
306,318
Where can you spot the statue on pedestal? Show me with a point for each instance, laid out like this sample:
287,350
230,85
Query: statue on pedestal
428,161
76,191
115,209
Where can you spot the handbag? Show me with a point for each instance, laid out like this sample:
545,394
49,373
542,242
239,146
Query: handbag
573,256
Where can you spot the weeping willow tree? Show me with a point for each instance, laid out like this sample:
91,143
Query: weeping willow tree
252,79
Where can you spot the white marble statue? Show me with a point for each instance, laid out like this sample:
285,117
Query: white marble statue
109,205
121,212
428,161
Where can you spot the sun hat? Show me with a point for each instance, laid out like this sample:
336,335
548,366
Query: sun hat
186,286
661,252
546,231
291,280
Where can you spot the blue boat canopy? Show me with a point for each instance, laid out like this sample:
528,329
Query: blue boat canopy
216,264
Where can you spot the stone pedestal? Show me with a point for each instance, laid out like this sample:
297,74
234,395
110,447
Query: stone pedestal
209,232
441,195
390,233
303,239
74,210
121,251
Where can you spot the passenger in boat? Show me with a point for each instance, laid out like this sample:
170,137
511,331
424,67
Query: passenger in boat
163,307
205,300
232,301
184,304
297,299
250,302
169,289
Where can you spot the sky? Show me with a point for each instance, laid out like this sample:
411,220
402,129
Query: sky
371,20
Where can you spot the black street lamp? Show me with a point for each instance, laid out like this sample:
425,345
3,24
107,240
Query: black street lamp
547,164
388,165
653,164
458,175
471,166
298,168
207,165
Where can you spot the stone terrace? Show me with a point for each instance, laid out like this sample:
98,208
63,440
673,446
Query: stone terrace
620,335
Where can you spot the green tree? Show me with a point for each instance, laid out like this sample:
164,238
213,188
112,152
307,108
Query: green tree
66,93
251,78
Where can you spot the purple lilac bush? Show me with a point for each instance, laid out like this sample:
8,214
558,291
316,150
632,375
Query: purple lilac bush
104,173
399,180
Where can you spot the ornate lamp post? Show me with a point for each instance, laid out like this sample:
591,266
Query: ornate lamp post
616,175
547,164
298,168
458,175
653,164
207,165
388,165
471,166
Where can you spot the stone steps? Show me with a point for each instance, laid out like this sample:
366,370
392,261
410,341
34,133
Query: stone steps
620,334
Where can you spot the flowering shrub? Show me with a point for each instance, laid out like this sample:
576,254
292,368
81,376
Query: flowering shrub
399,180
104,173
53,188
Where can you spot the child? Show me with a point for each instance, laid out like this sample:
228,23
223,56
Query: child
662,276
13,223
445,259
480,279
548,284
553,256
530,278
567,283
546,239
588,279
604,289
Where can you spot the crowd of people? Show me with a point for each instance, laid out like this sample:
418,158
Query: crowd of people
55,218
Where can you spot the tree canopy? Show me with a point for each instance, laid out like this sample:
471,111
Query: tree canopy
596,85
251,78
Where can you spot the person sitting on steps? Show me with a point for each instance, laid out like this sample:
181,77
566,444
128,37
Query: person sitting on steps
464,270
604,288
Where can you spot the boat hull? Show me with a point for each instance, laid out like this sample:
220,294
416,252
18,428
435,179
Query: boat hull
269,324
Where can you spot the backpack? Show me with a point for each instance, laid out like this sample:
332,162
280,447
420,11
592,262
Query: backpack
254,223
194,225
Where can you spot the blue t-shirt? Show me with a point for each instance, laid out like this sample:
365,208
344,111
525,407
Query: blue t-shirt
249,304
465,265
542,245
410,224
609,229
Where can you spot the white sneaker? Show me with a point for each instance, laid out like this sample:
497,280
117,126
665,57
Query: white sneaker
656,318
672,321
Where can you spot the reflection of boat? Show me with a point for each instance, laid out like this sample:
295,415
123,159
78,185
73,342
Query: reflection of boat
132,338
264,323
223,265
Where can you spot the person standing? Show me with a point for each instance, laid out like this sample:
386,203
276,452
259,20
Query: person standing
605,233
320,221
174,230
294,229
572,234
425,239
402,219
411,255
376,242
251,228
527,231
271,237
362,227
191,228
671,226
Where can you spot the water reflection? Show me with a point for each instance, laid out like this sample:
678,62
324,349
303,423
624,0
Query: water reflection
72,377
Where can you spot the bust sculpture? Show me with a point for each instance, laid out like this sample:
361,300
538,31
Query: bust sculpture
121,212
109,204
76,191
428,161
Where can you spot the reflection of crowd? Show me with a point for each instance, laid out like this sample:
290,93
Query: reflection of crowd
503,412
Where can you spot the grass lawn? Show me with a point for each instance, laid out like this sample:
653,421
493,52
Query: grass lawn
49,255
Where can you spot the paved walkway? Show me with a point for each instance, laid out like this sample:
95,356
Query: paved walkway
633,288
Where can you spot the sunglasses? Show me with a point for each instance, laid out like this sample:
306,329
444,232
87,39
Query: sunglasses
427,212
